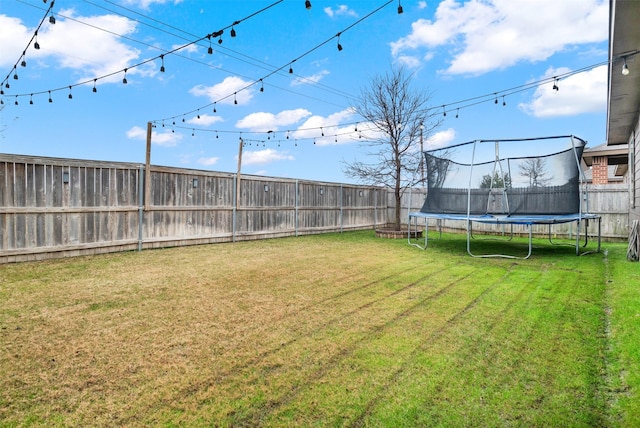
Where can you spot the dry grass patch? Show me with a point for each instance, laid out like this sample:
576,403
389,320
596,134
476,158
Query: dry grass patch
334,329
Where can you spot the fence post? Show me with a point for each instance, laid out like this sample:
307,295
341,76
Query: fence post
235,210
141,186
297,202
375,208
341,207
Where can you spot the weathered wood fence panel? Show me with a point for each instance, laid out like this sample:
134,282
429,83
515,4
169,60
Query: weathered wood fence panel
60,207
610,201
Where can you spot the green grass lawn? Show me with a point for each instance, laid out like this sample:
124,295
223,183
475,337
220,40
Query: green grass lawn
338,330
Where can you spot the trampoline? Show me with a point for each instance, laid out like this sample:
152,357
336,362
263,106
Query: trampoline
525,182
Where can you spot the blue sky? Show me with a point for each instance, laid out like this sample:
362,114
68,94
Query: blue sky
456,50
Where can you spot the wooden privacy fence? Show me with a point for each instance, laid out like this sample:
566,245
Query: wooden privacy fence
610,201
58,207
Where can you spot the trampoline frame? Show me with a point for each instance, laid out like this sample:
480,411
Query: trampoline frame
529,220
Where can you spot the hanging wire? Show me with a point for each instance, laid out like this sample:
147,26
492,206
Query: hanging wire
290,63
172,51
36,45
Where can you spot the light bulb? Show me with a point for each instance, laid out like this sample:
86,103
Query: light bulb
625,68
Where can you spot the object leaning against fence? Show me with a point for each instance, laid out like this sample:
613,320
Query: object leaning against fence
527,182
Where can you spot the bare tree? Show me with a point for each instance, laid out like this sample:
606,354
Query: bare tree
535,170
400,117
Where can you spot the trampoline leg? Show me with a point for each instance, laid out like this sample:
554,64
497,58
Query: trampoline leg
505,256
578,238
426,232
599,232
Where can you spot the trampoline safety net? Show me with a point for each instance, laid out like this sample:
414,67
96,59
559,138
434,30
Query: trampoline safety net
539,176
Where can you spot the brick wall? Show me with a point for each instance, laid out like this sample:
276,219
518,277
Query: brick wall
600,170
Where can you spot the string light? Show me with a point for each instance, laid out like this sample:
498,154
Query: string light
216,34
307,4
625,67
210,50
290,69
504,103
214,108
339,45
31,100
400,10
50,99
444,112
261,86
457,112
124,79
21,60
235,100
95,89
52,19
70,95
555,84
162,66
233,32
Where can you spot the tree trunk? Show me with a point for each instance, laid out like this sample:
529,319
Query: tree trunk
397,194
397,223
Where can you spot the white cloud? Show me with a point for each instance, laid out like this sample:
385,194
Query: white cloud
422,5
314,78
262,157
144,4
226,89
205,120
208,161
166,138
192,48
440,139
13,38
262,121
581,93
334,134
73,45
409,61
341,10
495,34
